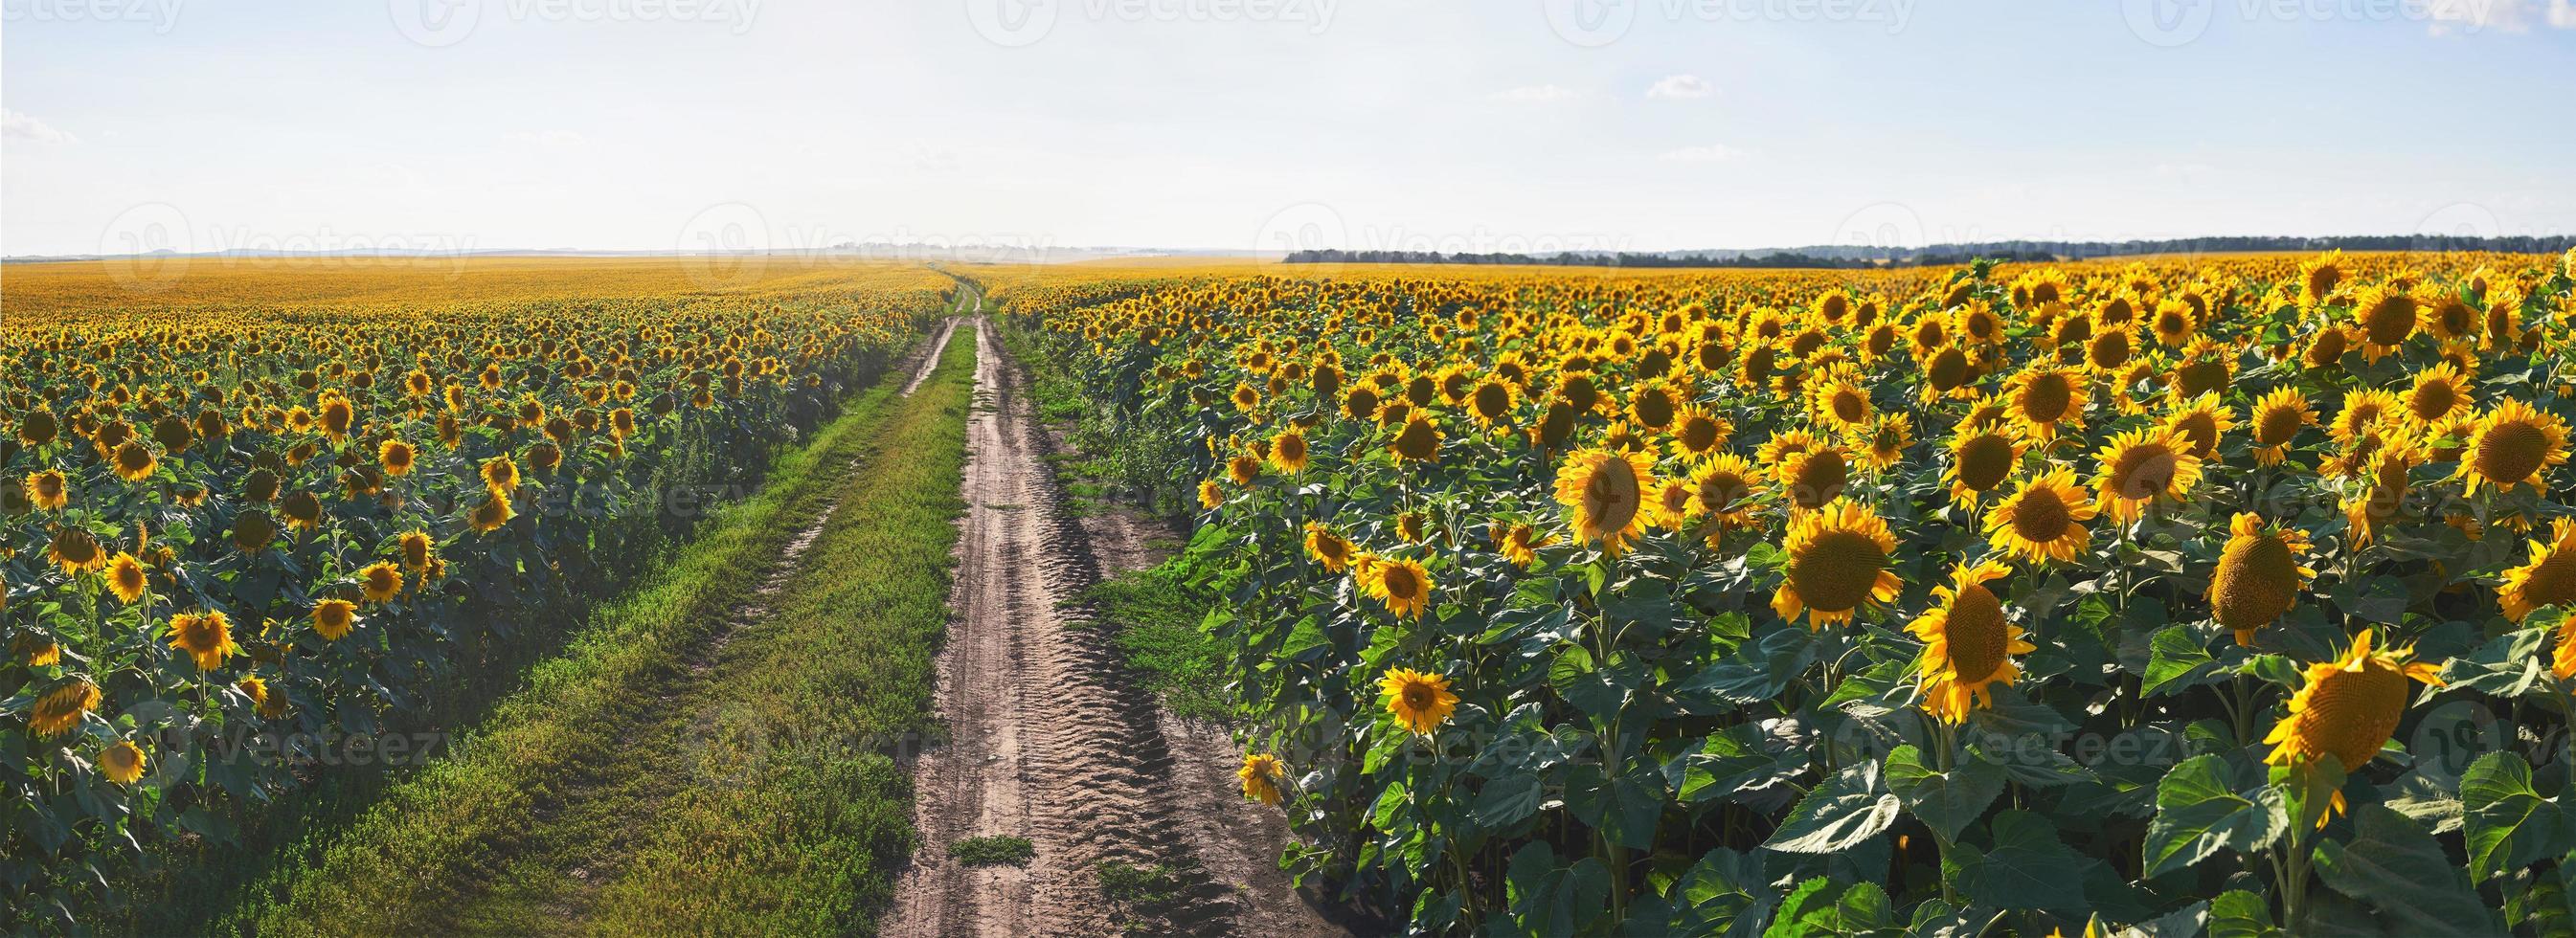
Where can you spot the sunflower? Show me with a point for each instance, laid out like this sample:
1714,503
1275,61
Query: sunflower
76,551
1839,561
500,475
1721,490
1519,543
1884,444
2319,277
1841,402
1419,441
303,511
122,762
2347,707
48,489
1211,497
1783,445
1815,476
332,618
1288,451
382,582
1947,374
2387,317
2511,445
254,687
206,637
1980,460
1261,775
2174,323
1604,494
2548,580
1243,469
2200,424
1404,585
417,548
495,511
2140,467
1967,644
2381,493
1654,404
37,427
2045,399
134,461
2258,576
2278,418
2325,349
2043,520
1420,702
1697,434
125,578
60,709
1328,548
397,457
1492,402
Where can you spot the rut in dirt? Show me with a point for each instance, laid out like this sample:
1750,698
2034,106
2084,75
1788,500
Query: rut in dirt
1049,738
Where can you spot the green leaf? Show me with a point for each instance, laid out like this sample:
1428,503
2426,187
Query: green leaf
1506,800
1307,639
1848,808
2240,914
1732,762
2395,866
2201,810
2509,825
2177,660
2029,868
1755,674
1946,802
1820,906
1726,892
1625,808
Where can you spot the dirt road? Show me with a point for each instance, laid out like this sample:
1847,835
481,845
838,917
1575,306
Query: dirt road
1049,741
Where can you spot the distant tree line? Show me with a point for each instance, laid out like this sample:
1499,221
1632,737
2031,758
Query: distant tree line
1860,256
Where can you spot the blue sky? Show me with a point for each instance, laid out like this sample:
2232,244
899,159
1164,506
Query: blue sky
1244,124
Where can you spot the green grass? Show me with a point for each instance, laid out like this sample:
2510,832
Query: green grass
754,795
993,851
1154,616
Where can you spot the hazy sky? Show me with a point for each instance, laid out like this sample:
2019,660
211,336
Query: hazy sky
1243,124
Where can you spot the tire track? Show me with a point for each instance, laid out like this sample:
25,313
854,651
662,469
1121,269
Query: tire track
1047,741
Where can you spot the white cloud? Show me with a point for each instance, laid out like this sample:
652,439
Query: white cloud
1535,94
2446,17
553,140
1708,154
1680,87
18,126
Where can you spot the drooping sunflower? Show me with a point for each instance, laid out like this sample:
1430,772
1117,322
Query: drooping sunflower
76,551
2512,445
1419,441
495,511
1403,584
1604,495
2259,575
2347,708
1839,562
2278,418
1722,490
2325,349
206,637
125,578
1980,460
417,548
1211,497
332,618
2142,466
2043,521
2379,494
122,762
1419,701
2549,579
1242,469
2045,399
1261,775
1968,644
48,490
61,709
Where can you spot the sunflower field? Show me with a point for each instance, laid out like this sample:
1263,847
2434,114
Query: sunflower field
2170,596
266,521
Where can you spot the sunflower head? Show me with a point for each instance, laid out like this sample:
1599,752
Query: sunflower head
2043,399
1403,584
1814,476
1261,775
2044,520
1980,461
2259,575
206,637
2142,466
1604,493
1419,701
1840,559
1418,441
2549,579
125,578
1968,644
2511,445
62,708
2347,707
75,550
122,762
